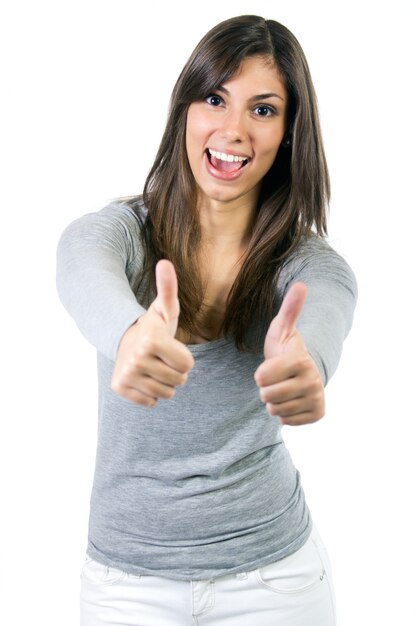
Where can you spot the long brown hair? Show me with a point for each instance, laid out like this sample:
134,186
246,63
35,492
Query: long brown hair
294,193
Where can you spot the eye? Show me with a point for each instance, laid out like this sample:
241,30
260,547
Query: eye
213,99
264,111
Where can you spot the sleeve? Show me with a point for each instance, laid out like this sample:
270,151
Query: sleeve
96,255
327,315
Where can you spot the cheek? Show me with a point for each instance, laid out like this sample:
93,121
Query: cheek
201,126
271,146
190,143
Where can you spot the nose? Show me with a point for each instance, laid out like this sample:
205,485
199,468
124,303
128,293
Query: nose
233,128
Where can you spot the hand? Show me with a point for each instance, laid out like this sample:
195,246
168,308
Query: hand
150,362
289,380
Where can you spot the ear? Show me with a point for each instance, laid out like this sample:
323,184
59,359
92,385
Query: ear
287,140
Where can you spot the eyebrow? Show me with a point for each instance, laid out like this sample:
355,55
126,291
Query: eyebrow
261,96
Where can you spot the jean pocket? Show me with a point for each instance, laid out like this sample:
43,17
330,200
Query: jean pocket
95,573
296,573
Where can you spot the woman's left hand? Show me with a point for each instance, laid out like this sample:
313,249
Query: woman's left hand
289,380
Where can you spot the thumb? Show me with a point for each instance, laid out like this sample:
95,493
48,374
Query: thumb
284,323
166,302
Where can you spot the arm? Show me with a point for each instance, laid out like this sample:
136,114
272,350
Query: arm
98,264
97,257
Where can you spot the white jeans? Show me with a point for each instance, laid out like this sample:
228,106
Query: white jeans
295,591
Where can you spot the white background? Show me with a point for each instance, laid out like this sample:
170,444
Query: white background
85,94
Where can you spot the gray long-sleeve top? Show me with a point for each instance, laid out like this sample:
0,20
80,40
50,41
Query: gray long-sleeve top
201,485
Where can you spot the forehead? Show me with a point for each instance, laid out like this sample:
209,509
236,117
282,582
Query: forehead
258,73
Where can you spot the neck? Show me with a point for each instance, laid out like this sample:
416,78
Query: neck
226,225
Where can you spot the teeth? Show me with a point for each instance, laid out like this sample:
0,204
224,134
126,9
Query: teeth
227,157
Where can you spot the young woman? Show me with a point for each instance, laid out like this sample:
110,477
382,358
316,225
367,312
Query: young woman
218,311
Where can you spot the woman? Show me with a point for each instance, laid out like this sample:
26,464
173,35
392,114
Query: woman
218,312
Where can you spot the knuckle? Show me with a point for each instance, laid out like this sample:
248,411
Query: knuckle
149,344
263,395
167,393
121,390
134,363
303,362
189,362
259,380
117,386
182,379
314,386
125,372
318,381
317,398
318,412
272,409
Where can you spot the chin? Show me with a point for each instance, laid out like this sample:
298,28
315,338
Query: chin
221,195
222,198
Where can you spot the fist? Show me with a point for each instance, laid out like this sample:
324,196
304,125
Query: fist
150,362
289,381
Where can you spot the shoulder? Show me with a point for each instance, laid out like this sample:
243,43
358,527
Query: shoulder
128,214
315,260
116,215
118,220
312,247
115,228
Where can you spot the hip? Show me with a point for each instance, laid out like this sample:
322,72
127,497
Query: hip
297,589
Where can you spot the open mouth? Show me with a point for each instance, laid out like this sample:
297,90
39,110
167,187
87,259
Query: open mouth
226,163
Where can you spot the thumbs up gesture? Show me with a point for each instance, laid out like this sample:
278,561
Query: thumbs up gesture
150,362
289,381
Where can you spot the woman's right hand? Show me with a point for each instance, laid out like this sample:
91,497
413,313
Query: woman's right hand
150,362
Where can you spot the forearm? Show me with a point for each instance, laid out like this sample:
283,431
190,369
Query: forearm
327,315
324,326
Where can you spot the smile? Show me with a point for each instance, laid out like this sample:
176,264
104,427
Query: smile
225,166
223,156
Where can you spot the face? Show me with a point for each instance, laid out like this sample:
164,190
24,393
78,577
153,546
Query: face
233,135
